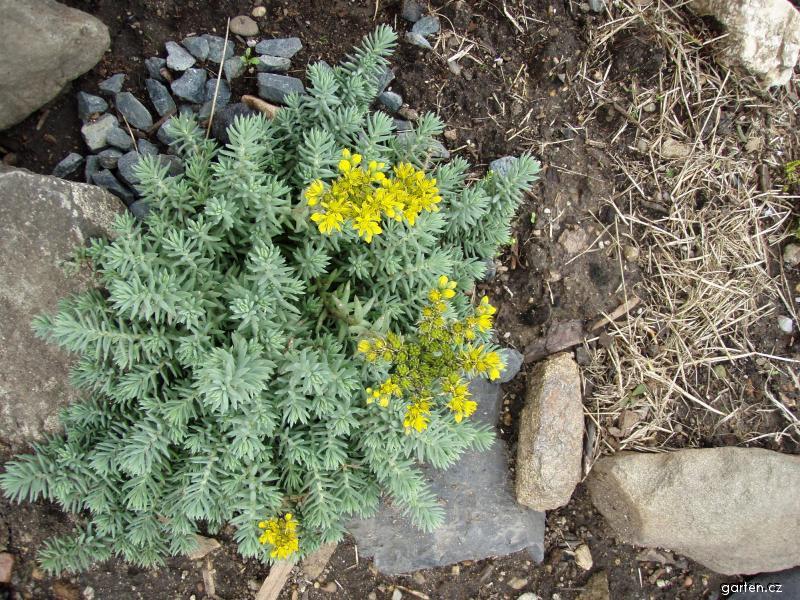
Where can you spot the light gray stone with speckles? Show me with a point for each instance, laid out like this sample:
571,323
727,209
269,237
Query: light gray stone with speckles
42,220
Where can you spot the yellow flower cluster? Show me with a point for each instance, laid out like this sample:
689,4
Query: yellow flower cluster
282,534
435,365
363,196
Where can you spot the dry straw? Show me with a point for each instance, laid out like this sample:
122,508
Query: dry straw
694,360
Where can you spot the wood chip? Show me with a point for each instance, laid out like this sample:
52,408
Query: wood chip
261,106
273,584
315,563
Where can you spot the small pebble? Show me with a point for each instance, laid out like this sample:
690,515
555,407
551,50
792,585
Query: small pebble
392,101
112,85
791,255
215,45
273,64
191,85
108,158
455,570
786,324
154,66
69,165
259,11
197,46
517,583
282,47
146,148
89,104
411,10
330,587
417,40
94,134
397,594
426,26
106,179
233,68
419,578
583,557
244,26
6,567
160,97
178,59
631,253
92,167
275,88
133,110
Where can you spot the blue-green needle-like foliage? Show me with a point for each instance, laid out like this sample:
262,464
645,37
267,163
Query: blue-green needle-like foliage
218,351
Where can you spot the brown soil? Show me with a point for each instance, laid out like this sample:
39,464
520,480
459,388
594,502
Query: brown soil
511,99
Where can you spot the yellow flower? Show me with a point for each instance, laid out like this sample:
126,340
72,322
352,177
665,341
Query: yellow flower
281,534
366,227
314,192
328,221
417,415
364,346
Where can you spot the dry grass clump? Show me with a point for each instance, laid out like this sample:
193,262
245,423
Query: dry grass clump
694,364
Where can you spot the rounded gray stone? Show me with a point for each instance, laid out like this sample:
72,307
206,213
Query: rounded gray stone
550,444
411,10
146,148
244,26
134,111
43,45
223,94
233,67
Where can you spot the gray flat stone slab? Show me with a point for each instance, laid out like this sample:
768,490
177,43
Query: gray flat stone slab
275,88
42,220
482,517
282,47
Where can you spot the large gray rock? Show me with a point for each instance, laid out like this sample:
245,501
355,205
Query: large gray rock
481,516
734,510
43,45
763,36
42,220
550,446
